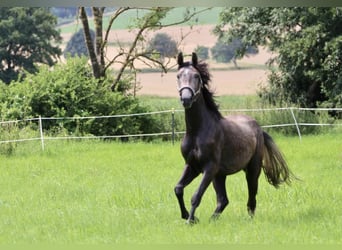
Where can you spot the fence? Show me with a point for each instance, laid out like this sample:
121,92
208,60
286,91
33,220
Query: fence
42,138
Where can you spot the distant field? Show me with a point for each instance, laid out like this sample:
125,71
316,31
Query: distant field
110,192
125,20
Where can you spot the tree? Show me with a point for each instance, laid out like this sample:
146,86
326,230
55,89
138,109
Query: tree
226,52
28,36
308,46
202,52
163,45
147,19
76,45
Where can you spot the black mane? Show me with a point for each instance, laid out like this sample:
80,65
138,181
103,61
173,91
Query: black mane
208,95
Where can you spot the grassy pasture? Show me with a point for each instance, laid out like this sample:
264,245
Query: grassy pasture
126,20
111,192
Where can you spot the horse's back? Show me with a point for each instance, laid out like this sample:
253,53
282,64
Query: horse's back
240,126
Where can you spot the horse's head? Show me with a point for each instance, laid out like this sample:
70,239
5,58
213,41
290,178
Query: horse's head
189,80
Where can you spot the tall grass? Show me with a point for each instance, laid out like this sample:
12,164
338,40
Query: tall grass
230,105
110,192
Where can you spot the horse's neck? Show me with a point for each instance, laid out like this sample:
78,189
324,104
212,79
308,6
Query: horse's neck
197,116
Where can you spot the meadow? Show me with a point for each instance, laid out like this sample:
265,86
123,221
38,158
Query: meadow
111,192
93,191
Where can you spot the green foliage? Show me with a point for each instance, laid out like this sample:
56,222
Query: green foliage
308,45
76,45
27,37
225,52
222,52
69,90
8,132
202,52
332,73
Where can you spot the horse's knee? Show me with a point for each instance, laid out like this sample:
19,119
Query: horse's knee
179,190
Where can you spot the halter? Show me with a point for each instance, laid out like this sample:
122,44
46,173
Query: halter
193,92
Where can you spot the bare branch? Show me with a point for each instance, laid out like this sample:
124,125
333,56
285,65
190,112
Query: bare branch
186,19
126,56
117,13
129,54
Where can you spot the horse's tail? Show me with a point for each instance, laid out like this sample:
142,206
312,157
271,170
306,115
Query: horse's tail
275,166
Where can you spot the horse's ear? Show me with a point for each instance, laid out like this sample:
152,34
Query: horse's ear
180,59
194,59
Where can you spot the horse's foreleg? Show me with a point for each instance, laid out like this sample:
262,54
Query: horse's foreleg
208,176
188,175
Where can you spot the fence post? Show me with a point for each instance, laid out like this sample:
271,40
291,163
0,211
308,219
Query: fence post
41,132
173,126
296,123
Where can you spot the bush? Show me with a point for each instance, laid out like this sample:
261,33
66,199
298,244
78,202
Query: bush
69,90
8,132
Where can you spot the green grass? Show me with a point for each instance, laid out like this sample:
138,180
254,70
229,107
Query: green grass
110,192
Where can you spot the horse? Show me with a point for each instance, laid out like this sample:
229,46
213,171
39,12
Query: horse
217,146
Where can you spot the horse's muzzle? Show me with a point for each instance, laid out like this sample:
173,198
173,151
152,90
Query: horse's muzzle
186,97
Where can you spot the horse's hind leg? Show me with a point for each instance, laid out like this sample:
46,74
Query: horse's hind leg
219,184
252,175
188,175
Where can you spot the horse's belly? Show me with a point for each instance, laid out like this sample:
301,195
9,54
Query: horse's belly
234,163
229,170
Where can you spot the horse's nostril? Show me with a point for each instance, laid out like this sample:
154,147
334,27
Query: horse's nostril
186,97
186,102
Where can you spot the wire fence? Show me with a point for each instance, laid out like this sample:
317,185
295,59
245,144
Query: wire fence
43,137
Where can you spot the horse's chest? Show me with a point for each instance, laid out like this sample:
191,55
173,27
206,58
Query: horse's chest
197,154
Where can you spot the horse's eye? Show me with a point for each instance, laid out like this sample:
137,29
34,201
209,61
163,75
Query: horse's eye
196,76
178,76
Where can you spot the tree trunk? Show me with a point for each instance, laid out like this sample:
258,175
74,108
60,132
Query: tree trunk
235,63
90,46
98,17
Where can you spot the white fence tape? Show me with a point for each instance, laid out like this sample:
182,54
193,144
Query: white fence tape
43,138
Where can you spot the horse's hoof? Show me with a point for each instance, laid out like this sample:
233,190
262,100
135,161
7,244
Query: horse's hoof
215,217
251,212
192,222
